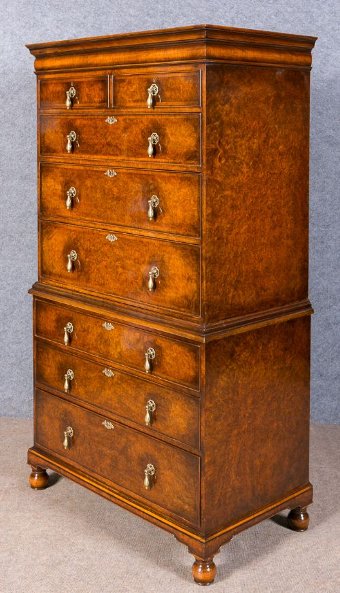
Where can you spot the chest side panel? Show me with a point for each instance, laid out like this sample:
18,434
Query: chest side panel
255,420
256,209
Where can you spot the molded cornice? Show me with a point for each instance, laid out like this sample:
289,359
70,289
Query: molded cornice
194,43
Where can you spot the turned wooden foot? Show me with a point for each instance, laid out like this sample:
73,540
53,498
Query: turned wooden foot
298,519
204,571
38,479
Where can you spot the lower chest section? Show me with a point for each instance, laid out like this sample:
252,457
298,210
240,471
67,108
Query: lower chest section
122,404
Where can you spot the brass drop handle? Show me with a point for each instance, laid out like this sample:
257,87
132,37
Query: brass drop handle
152,209
149,476
68,377
70,195
68,435
153,274
150,409
153,140
71,139
71,258
68,330
152,92
70,95
150,355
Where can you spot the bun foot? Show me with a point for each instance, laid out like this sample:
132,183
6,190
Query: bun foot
204,571
38,479
298,519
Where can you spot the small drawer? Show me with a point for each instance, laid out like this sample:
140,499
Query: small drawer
148,138
151,200
120,456
153,407
155,89
150,272
173,360
71,94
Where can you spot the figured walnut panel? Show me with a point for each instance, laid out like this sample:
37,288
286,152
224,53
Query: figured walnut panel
119,455
123,198
120,267
226,318
255,424
90,92
103,336
176,415
176,88
256,211
126,139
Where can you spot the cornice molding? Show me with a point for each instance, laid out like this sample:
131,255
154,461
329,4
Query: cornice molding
197,43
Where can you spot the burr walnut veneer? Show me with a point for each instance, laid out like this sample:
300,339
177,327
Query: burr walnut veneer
171,313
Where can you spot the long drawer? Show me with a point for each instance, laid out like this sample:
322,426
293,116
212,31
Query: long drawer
151,272
151,200
173,360
120,456
170,138
153,407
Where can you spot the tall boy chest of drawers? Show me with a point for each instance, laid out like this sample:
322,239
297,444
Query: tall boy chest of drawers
171,313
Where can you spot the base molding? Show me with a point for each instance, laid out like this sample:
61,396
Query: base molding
194,329
201,546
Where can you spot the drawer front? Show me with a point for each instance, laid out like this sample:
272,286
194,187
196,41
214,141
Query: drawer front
127,138
74,93
122,265
153,407
120,455
154,89
122,197
174,360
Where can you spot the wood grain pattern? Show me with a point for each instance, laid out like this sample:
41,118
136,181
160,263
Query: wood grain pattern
189,536
90,93
255,420
125,140
229,318
122,199
183,328
120,455
257,150
177,88
124,344
196,42
121,268
123,395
